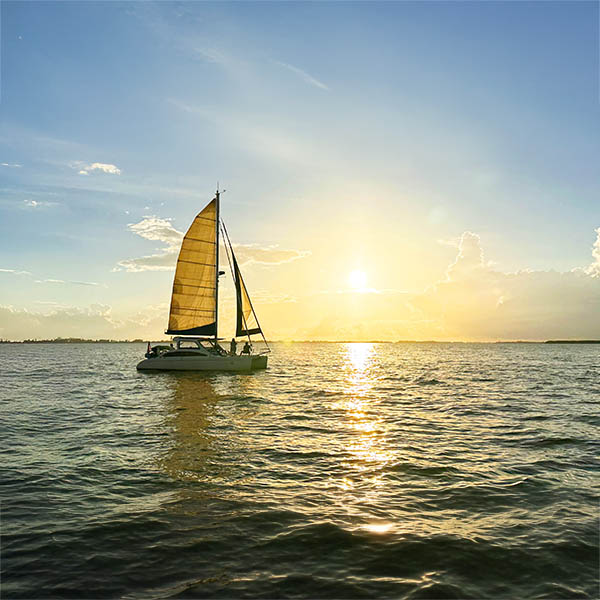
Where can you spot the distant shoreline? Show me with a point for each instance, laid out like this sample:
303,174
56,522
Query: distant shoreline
140,341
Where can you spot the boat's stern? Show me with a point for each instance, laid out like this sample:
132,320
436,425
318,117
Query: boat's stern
259,361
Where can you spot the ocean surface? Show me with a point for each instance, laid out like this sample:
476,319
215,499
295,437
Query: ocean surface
342,471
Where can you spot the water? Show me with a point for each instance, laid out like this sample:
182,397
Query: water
343,471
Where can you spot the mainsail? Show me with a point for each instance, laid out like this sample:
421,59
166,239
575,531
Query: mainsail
194,300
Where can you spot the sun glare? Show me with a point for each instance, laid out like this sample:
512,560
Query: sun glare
357,279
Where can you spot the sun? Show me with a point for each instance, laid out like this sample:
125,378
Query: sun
357,279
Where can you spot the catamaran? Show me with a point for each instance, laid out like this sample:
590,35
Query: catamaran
194,312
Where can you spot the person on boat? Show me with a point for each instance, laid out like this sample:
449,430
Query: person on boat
232,346
247,348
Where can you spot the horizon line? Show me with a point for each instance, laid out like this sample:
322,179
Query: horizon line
72,340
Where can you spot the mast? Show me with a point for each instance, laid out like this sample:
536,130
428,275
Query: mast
218,206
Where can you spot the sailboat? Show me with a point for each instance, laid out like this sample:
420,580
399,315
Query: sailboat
194,312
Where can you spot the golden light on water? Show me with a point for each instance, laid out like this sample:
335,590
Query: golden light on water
367,442
359,356
378,527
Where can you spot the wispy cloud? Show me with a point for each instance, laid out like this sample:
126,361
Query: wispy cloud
267,255
200,44
208,54
63,282
156,229
303,74
284,145
452,242
11,165
50,281
29,203
15,272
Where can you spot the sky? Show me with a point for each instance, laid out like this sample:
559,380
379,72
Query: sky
393,170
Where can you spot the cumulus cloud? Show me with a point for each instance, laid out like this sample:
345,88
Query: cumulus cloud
469,260
158,230
594,268
161,230
86,169
476,301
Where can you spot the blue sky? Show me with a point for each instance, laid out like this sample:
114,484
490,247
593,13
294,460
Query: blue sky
383,128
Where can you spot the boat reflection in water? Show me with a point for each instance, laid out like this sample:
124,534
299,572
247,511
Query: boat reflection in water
208,445
190,412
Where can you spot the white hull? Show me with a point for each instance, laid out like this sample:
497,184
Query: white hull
204,363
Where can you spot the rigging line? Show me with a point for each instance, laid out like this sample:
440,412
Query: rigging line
233,275
247,295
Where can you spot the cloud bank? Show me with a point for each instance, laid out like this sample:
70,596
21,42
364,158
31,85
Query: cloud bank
478,302
95,321
473,301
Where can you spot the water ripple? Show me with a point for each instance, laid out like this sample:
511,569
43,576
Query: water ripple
344,470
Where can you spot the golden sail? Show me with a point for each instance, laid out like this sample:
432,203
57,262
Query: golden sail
194,300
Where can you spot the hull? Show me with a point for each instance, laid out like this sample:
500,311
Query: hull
204,363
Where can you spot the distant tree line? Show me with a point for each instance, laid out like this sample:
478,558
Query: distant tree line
71,340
